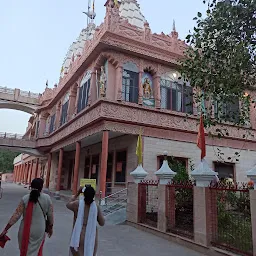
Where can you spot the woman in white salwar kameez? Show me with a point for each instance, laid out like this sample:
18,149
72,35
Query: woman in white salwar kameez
84,240
34,208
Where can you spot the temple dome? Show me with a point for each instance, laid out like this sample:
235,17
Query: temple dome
130,10
76,49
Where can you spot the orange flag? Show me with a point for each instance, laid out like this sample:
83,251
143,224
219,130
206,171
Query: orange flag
201,138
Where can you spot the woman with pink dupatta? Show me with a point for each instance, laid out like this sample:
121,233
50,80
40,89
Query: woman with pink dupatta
35,208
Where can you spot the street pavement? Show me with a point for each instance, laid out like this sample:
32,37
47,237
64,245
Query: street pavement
119,240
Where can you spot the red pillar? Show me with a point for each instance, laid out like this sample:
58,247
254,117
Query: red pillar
30,172
21,171
76,169
37,165
14,173
59,170
25,176
47,182
25,172
104,163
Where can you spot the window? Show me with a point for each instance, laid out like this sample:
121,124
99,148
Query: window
130,82
176,96
224,170
121,166
64,111
52,122
84,92
130,87
174,161
228,111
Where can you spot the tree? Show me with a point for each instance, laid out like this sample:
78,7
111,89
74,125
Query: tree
6,160
220,62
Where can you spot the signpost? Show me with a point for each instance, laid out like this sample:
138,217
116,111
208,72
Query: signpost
88,182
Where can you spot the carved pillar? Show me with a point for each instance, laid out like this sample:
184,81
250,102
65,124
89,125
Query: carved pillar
119,76
42,126
77,98
57,119
58,185
157,90
140,88
93,88
71,104
76,169
47,183
104,162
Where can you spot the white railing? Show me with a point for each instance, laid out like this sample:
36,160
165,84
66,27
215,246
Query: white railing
22,93
114,202
14,136
7,90
29,94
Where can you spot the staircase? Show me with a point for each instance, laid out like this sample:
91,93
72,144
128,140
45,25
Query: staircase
114,207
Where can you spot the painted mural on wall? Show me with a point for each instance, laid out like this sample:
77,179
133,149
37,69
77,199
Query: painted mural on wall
148,93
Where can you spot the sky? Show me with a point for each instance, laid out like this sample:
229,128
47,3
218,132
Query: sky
35,37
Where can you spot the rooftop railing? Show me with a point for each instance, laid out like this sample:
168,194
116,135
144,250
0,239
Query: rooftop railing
14,136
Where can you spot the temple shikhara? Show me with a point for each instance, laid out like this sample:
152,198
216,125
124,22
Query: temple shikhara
119,79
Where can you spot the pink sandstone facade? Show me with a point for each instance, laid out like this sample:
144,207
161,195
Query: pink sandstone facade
116,79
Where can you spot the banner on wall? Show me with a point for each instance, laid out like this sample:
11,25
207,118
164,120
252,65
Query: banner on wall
94,169
148,92
119,167
88,182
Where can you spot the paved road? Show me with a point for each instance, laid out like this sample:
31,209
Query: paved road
121,240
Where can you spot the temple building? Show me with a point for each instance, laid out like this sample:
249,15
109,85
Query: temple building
117,79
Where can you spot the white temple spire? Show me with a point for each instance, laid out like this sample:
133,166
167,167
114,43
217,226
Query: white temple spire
174,26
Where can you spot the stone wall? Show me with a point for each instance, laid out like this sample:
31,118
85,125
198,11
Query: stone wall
154,147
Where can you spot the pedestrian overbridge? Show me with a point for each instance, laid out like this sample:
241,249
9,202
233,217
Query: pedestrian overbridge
19,100
18,143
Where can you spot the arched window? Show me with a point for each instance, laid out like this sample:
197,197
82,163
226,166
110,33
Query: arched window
84,89
52,120
47,127
175,94
64,112
130,83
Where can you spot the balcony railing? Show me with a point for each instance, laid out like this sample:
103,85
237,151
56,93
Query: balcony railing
14,136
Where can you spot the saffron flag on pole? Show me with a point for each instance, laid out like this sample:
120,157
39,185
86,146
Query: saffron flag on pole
139,149
201,138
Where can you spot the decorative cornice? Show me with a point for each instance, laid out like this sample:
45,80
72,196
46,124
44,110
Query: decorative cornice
135,115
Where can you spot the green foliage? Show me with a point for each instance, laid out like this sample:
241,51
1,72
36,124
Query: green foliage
6,160
180,168
221,60
234,220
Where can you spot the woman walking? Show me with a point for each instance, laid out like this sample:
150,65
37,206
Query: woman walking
35,207
84,238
